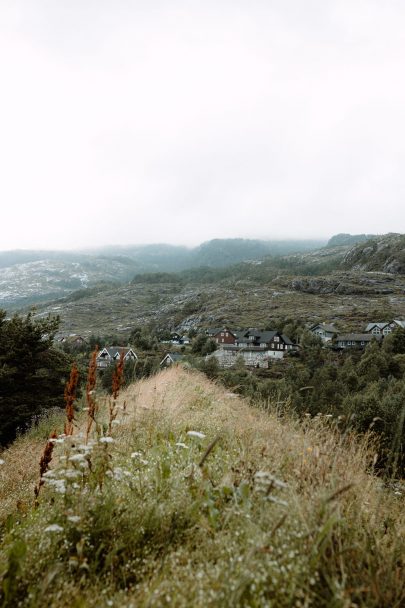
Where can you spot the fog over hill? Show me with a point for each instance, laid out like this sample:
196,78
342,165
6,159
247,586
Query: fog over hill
28,277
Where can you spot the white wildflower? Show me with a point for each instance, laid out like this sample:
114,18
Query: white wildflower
197,434
72,474
48,474
106,440
54,528
85,447
77,458
118,474
2,461
58,484
182,445
74,518
136,454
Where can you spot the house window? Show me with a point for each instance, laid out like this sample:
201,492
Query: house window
376,330
222,334
276,339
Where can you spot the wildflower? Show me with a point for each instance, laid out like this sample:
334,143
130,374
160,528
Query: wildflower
2,461
48,474
54,528
58,484
74,519
85,447
136,454
72,474
77,458
106,440
196,434
119,473
182,445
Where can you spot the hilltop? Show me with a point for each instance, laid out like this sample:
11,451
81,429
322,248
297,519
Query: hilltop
199,499
383,254
29,277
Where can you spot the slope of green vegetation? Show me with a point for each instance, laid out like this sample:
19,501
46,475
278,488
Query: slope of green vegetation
364,390
194,498
32,372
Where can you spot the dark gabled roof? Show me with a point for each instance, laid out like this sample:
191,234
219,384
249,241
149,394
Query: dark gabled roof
357,337
222,329
266,336
175,357
116,350
379,325
325,326
214,331
287,340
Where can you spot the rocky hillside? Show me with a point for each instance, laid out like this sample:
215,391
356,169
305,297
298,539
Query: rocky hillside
382,254
28,277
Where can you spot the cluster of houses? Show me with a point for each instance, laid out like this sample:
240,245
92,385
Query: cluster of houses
257,348
112,354
328,333
254,346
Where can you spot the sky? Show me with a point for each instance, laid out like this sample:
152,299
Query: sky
179,121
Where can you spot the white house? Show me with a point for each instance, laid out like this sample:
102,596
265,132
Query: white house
112,354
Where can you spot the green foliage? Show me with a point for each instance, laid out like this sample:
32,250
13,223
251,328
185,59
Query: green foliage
143,338
365,389
32,372
133,370
203,345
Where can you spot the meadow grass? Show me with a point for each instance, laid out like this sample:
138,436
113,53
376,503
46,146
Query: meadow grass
192,497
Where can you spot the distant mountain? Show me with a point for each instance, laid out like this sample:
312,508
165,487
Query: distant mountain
28,277
381,254
344,239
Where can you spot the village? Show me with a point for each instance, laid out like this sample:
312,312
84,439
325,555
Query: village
255,347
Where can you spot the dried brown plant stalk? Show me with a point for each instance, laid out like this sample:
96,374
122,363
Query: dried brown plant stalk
44,463
70,396
90,386
117,382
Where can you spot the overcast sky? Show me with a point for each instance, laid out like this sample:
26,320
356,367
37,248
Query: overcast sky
179,121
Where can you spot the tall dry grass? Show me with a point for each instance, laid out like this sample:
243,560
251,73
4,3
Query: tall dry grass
204,501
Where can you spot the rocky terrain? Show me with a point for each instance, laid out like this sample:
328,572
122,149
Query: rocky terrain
348,299
29,277
383,254
334,284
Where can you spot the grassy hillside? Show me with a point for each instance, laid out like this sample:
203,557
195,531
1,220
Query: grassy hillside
348,299
199,500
